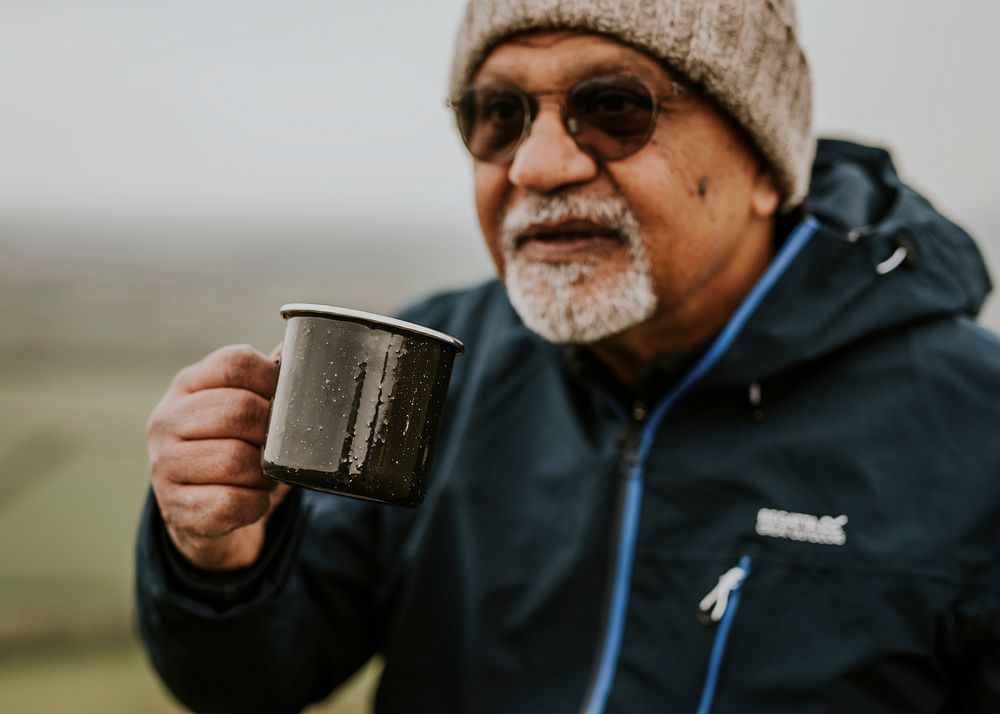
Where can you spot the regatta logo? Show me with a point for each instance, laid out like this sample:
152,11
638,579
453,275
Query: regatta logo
825,530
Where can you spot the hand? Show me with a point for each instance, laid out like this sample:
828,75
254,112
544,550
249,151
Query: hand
204,440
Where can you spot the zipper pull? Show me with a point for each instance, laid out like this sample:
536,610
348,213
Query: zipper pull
630,438
713,606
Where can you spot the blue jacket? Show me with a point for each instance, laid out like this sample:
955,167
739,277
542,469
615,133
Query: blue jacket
835,453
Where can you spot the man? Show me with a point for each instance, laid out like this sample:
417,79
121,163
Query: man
714,446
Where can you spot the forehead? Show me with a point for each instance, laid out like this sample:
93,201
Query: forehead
547,59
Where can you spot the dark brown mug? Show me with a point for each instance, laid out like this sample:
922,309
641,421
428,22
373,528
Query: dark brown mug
358,403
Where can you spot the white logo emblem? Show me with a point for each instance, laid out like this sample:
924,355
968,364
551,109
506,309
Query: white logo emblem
825,530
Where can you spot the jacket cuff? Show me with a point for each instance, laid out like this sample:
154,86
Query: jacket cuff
224,589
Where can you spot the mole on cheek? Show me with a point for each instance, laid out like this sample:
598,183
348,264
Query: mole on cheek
703,186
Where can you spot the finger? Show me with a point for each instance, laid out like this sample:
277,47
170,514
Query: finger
238,366
212,511
221,413
276,352
210,462
278,495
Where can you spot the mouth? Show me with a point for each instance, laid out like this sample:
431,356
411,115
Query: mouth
567,237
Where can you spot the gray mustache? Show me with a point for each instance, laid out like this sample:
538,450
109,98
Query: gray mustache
612,213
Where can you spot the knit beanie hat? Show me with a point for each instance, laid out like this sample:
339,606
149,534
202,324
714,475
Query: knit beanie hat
745,54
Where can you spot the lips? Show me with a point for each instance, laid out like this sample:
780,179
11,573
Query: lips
571,231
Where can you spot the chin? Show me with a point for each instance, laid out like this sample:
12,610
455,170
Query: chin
579,302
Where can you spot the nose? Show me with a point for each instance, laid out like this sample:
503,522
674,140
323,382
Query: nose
548,159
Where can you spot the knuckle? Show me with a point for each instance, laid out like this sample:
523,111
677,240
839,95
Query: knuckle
168,465
243,355
237,363
154,424
194,510
230,373
242,349
161,418
175,511
239,508
157,463
183,376
247,411
162,496
236,456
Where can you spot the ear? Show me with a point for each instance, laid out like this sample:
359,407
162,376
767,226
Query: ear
764,196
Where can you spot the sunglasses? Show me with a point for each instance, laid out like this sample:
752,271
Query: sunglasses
609,116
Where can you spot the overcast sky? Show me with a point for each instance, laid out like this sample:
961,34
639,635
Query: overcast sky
332,112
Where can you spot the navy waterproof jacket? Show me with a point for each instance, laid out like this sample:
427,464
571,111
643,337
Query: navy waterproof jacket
803,517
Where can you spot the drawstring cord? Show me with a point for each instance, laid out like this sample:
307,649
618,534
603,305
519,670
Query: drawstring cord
893,261
721,604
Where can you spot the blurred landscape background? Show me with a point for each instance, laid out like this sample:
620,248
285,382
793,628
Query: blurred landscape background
173,173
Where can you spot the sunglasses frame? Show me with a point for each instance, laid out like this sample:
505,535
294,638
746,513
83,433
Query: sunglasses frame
673,87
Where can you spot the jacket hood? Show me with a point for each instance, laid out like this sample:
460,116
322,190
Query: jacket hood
882,258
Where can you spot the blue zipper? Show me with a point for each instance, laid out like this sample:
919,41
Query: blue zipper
600,686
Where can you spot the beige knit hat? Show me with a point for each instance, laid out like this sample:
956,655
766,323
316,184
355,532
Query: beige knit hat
744,53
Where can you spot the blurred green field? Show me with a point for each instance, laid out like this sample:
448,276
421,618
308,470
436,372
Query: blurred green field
91,332
74,447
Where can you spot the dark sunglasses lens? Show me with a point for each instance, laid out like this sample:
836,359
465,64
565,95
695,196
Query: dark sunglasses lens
492,121
611,116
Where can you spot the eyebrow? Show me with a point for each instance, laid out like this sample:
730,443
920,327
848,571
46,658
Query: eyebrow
615,65
602,65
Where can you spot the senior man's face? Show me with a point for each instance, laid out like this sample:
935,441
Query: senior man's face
590,248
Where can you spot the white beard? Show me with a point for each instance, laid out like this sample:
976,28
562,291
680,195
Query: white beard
581,301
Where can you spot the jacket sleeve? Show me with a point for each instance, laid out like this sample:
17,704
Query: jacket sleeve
985,669
275,637
987,698
971,645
